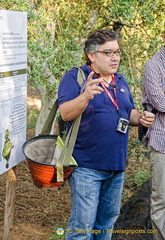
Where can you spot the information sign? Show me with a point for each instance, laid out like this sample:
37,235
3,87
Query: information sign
13,87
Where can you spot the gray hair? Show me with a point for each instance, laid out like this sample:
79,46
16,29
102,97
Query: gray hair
98,38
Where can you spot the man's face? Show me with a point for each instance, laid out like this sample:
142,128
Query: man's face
104,63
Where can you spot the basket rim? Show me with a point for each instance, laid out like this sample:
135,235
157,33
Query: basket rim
34,139
40,137
47,164
37,137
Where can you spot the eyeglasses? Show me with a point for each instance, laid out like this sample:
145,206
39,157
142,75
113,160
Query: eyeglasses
110,53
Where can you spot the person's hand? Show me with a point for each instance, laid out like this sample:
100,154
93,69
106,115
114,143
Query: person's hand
92,87
147,119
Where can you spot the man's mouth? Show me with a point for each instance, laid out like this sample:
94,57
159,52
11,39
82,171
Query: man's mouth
114,65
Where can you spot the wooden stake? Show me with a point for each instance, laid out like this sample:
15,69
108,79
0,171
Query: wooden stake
9,204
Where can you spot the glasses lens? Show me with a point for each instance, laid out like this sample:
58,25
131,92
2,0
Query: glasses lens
111,54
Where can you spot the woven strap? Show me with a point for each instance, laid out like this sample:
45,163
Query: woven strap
49,121
65,156
66,153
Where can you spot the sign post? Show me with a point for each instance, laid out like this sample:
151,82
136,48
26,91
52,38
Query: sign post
9,204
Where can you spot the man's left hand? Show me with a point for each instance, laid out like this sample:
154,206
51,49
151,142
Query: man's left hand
147,119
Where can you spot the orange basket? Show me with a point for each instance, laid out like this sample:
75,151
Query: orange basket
39,153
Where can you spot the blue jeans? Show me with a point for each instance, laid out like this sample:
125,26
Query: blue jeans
96,197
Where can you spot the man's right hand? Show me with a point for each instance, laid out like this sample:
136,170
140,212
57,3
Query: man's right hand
92,87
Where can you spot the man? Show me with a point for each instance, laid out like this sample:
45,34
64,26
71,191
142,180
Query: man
101,146
154,98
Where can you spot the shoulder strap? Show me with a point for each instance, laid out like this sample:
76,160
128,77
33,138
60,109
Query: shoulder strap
80,76
65,156
49,121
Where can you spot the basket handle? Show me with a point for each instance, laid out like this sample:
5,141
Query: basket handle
66,153
49,121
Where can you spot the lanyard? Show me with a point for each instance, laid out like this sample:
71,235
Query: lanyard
114,101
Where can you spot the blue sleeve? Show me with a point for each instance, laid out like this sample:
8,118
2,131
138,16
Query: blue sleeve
128,91
68,87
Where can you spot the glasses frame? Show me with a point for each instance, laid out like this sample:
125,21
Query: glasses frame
111,53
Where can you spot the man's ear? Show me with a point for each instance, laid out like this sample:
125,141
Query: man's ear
91,57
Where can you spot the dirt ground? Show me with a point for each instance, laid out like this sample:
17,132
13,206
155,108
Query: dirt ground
37,212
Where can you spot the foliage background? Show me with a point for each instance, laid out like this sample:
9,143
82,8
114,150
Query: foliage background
57,30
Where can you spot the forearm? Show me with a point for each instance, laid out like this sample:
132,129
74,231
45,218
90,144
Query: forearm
70,110
146,118
153,88
135,118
